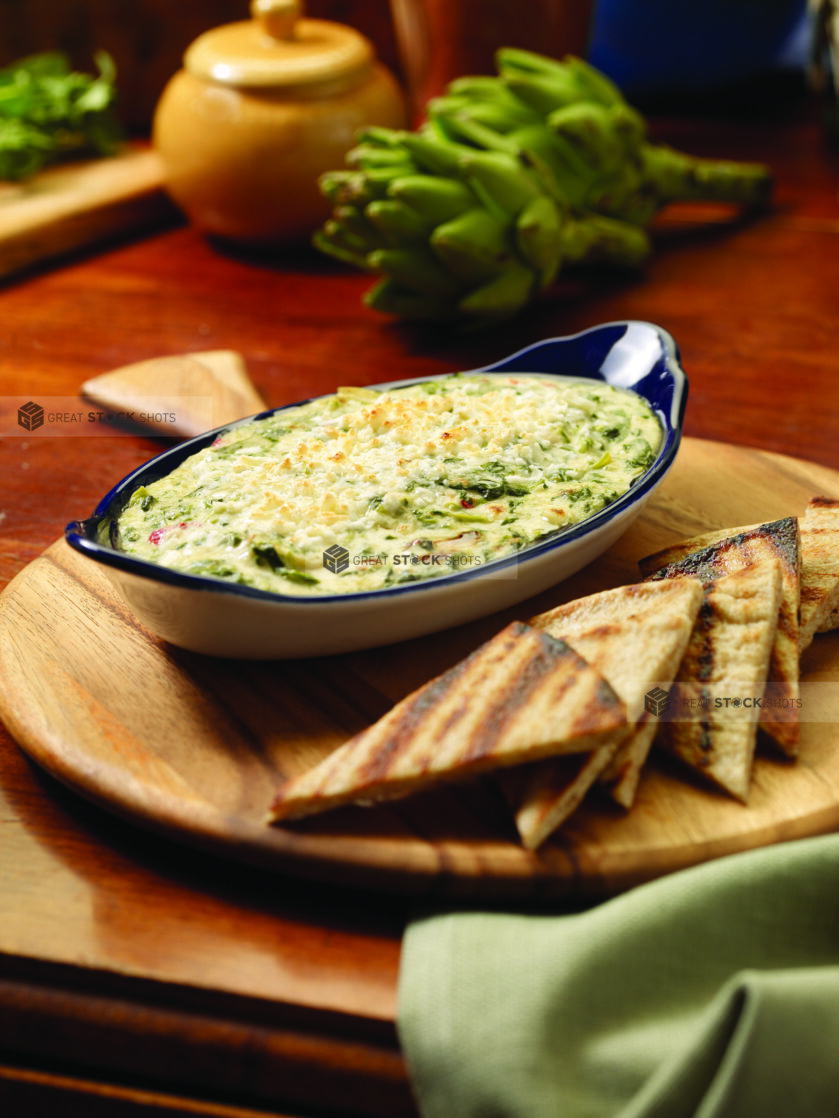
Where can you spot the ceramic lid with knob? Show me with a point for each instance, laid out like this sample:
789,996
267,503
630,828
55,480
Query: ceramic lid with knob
280,49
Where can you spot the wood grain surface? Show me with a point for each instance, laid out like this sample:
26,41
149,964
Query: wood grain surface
193,746
138,975
79,204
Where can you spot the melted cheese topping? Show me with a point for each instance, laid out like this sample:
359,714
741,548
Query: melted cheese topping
364,489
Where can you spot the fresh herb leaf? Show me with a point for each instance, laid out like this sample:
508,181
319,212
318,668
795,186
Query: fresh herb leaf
48,110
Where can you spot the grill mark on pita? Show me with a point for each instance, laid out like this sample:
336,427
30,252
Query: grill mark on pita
541,663
605,697
402,730
708,561
606,628
716,555
778,537
745,610
512,698
705,622
516,632
787,625
705,738
704,660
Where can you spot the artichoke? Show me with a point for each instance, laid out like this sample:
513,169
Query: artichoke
512,178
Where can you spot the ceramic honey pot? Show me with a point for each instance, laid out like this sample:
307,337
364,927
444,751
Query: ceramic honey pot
259,110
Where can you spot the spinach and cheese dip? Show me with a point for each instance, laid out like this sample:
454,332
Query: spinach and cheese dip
368,489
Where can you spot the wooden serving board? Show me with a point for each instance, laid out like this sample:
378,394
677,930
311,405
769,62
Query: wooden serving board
72,205
193,747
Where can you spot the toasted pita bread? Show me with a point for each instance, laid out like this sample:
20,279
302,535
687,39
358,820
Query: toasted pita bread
713,717
521,696
544,794
718,553
679,553
819,569
635,636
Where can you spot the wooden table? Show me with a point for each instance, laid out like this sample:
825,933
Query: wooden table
139,977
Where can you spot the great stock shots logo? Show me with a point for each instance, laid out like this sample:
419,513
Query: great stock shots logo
657,701
336,559
30,416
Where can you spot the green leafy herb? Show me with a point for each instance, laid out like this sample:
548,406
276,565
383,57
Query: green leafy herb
48,111
267,554
488,488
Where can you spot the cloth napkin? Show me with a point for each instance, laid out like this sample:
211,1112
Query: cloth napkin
710,993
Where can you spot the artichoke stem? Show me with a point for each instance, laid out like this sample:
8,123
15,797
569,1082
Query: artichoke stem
677,177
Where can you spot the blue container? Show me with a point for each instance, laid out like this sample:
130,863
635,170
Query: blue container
696,45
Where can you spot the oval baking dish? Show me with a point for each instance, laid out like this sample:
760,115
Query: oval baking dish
223,618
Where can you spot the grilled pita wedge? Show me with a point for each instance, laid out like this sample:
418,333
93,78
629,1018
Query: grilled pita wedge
635,636
544,794
819,569
713,718
519,697
718,553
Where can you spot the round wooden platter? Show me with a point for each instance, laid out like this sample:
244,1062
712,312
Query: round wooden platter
193,746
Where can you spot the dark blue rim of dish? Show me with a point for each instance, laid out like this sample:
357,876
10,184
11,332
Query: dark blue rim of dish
635,355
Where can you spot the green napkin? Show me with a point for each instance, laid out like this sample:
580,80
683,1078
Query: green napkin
711,993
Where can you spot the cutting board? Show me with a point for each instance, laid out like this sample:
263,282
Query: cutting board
193,747
72,205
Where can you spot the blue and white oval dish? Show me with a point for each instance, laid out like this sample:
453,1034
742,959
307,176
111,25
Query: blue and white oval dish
221,618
